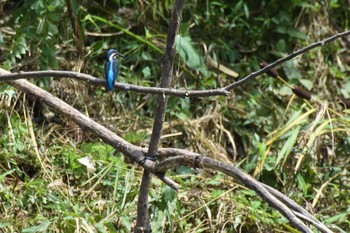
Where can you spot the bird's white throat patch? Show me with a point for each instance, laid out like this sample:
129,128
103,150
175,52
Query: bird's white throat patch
113,56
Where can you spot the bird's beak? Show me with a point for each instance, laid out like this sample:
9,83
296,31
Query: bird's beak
120,55
115,55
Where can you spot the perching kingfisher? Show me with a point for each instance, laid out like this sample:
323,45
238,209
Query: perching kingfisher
112,68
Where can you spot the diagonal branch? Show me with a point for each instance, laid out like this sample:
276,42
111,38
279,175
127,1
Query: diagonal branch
276,199
299,211
286,58
135,153
165,153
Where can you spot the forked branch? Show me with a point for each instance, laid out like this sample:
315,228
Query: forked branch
172,156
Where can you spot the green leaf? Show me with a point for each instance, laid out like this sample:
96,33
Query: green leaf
169,194
183,116
36,5
40,26
281,29
101,227
51,8
246,11
183,170
297,34
2,176
304,4
302,183
346,90
339,217
126,221
146,72
284,91
216,193
111,228
40,228
270,163
291,70
262,149
250,193
189,54
133,137
159,221
335,4
52,28
255,204
5,224
306,83
288,146
281,46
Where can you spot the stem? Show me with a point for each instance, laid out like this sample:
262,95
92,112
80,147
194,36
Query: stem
143,221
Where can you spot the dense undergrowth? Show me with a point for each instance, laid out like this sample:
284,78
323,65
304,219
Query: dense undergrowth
299,147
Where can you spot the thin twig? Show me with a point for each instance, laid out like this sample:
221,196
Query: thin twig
284,59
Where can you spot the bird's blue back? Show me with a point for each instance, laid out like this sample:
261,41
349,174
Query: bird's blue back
111,72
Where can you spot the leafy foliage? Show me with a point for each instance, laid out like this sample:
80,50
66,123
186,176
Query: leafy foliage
299,147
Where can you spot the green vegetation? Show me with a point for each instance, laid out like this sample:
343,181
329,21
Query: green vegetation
301,148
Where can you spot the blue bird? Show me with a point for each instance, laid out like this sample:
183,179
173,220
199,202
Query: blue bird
112,68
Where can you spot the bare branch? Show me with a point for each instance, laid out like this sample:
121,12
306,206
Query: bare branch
135,153
188,158
167,72
284,59
143,223
281,202
191,159
298,209
273,197
224,91
119,86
